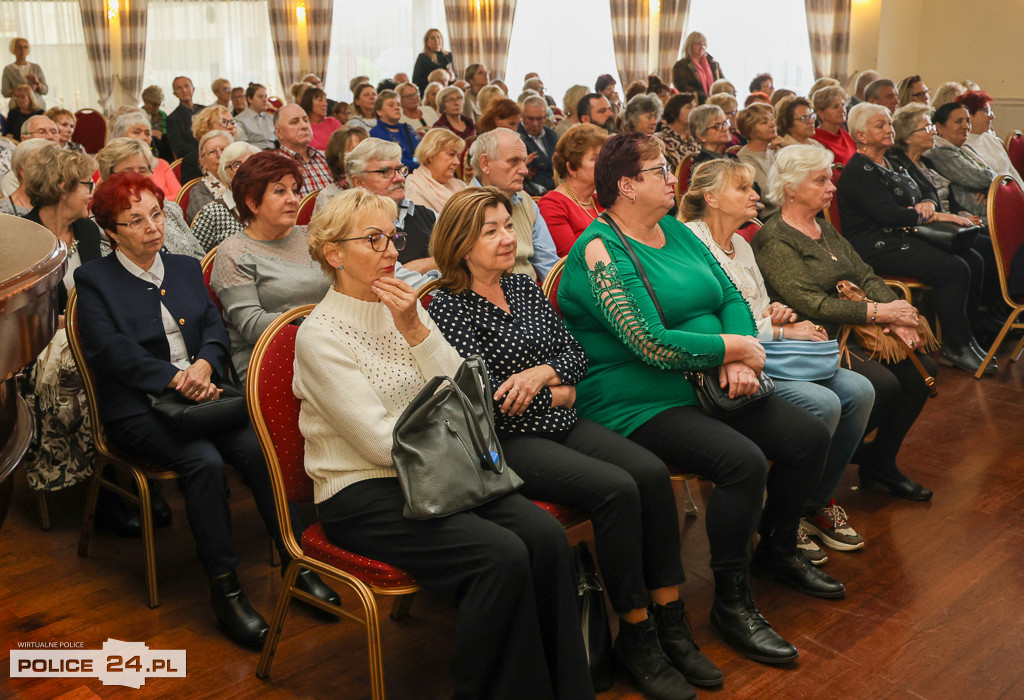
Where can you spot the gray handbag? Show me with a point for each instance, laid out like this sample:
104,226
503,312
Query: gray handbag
446,449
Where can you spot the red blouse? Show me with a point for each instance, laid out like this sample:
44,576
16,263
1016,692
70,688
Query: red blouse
840,144
565,219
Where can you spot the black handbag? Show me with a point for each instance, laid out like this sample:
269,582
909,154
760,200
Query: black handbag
597,634
446,450
198,420
947,236
714,400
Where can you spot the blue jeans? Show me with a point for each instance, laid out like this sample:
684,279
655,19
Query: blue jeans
844,403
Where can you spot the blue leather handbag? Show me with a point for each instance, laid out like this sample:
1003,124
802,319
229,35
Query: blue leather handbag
801,360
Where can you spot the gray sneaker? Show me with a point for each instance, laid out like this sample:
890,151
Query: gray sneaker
815,554
832,526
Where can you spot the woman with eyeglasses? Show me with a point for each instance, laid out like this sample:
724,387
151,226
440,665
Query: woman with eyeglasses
982,137
133,155
709,126
265,269
219,218
641,343
361,357
830,108
912,90
211,146
137,125
794,121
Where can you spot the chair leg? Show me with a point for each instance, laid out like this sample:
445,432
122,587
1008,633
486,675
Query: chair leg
999,341
401,606
277,621
89,516
148,541
689,505
44,510
373,645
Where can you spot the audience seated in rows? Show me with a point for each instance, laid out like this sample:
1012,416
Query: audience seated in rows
982,139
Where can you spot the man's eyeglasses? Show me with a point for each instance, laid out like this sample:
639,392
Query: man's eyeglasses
379,241
44,132
389,172
137,224
663,169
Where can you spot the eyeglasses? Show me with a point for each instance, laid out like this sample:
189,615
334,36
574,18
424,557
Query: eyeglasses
137,224
234,165
379,241
923,93
388,172
930,129
138,171
720,126
663,169
214,152
807,118
88,184
43,131
227,122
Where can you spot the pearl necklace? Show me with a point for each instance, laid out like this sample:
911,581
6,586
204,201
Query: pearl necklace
573,197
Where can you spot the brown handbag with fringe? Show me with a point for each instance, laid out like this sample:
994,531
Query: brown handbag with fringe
885,347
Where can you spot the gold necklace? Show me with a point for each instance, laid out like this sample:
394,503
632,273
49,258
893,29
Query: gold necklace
573,197
822,241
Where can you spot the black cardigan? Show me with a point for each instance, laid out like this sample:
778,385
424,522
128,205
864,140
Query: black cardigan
424,66
87,234
875,204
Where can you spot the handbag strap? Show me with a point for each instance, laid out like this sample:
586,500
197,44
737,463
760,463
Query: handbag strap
606,217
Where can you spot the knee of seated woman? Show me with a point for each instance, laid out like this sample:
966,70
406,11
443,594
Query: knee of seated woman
814,398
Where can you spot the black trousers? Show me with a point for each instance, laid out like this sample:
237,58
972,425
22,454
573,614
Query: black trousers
203,480
948,275
733,455
900,395
505,565
627,493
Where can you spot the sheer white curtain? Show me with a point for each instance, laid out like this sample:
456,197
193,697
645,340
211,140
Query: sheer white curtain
206,40
54,30
567,42
774,40
379,39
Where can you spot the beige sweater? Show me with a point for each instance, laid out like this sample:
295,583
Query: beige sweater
355,374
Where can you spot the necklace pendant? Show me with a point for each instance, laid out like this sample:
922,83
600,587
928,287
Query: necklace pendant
834,258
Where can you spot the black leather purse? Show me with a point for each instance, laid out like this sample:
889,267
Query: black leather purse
947,236
198,420
597,634
714,400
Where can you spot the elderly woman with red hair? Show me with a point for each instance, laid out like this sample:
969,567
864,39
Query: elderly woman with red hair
133,356
265,269
982,138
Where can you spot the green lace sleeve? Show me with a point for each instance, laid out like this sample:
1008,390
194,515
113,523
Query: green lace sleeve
623,315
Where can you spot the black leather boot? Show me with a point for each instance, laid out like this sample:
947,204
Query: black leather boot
637,649
310,583
962,357
236,616
895,483
776,556
736,619
676,637
163,516
114,515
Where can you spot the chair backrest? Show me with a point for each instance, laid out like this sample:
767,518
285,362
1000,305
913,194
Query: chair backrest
1005,226
306,209
274,103
274,410
181,199
832,210
683,172
733,150
426,293
750,228
71,327
551,282
1015,149
207,264
176,169
90,130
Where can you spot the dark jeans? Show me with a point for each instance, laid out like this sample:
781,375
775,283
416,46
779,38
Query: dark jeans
505,565
900,394
627,493
948,275
203,480
733,455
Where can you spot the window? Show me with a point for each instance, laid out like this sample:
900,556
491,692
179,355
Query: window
541,44
379,39
206,40
54,31
779,44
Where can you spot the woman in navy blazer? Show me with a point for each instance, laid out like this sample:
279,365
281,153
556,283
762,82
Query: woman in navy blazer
148,326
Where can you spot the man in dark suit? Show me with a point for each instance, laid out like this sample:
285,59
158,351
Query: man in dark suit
540,146
179,122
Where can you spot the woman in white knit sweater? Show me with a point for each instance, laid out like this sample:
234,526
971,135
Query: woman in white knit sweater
360,358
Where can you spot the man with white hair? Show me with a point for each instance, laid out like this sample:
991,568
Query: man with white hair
540,142
291,126
499,157
35,127
376,165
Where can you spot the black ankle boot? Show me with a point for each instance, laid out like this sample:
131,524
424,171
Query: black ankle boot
311,583
637,649
676,637
236,616
114,515
776,556
736,619
163,516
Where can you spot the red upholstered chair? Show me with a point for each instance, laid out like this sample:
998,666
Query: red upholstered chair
683,172
1006,227
426,293
306,209
275,416
550,286
176,168
183,194
832,211
207,264
1015,149
750,228
90,130
107,454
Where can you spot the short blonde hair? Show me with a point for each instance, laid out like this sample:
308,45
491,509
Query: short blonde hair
120,149
574,145
725,101
572,99
218,82
824,83
752,116
14,42
208,119
435,141
334,221
691,39
712,176
487,94
53,172
947,92
722,85
824,97
457,231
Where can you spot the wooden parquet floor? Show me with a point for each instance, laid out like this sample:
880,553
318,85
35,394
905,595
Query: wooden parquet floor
935,604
